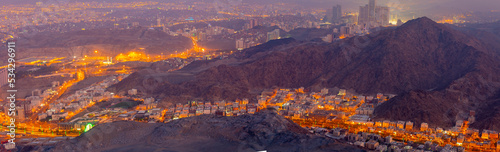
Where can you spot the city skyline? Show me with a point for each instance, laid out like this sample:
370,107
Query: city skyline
249,75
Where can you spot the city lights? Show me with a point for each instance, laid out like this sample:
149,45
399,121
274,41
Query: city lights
318,65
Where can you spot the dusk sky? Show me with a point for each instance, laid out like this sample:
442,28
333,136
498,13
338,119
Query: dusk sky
466,5
463,5
404,9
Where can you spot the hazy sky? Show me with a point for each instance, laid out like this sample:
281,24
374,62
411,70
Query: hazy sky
465,5
476,5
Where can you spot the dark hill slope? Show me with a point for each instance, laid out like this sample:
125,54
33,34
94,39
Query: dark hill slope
428,64
263,131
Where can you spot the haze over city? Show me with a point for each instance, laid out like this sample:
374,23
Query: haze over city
250,75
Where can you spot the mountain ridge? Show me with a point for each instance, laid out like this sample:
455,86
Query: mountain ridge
265,130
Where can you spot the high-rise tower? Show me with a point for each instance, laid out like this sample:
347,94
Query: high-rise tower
371,10
336,13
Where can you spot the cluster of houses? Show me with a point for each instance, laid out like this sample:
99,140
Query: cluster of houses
459,135
321,106
292,103
295,104
221,108
358,109
81,99
376,142
150,115
25,107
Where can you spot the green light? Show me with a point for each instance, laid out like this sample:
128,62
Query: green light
88,127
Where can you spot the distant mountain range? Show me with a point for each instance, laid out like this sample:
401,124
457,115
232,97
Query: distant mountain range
262,131
439,73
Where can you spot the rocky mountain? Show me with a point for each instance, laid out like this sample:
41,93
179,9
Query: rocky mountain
153,82
471,83
439,73
265,130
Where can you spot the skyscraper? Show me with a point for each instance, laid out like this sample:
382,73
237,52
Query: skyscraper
371,9
254,23
273,35
4,76
372,14
336,13
21,111
158,22
364,13
328,16
382,15
240,44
